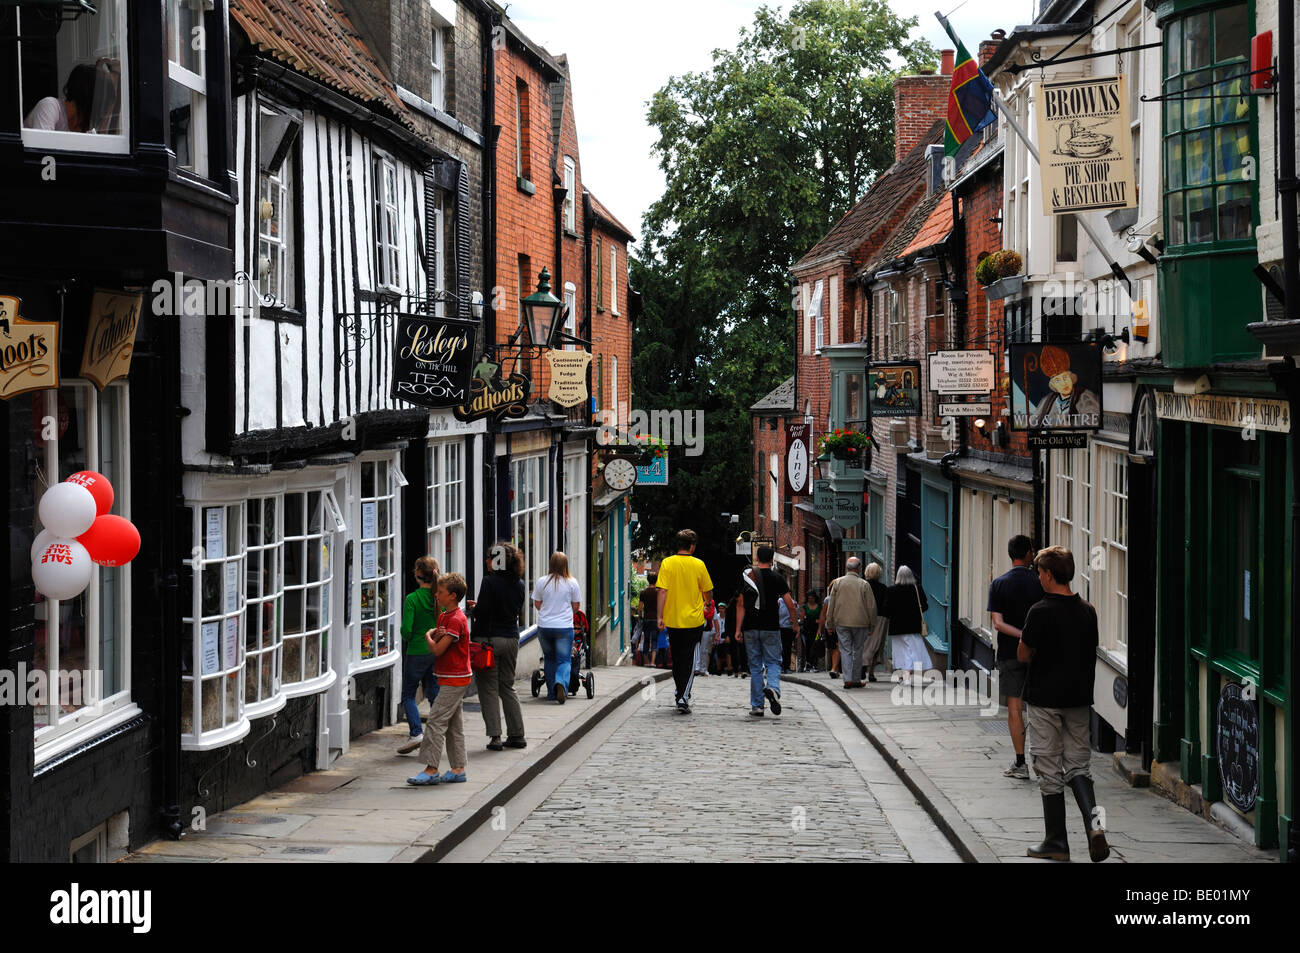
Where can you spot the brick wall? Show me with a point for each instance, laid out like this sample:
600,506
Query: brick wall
611,334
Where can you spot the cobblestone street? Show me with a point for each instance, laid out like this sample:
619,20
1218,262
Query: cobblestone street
717,785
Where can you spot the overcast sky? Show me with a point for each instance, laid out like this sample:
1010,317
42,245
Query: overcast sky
620,53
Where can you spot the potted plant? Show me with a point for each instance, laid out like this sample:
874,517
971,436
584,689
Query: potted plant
846,444
647,449
1000,273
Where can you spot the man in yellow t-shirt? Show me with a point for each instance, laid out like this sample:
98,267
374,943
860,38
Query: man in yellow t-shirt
686,585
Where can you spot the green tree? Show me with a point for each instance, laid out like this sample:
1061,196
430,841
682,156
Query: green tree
762,154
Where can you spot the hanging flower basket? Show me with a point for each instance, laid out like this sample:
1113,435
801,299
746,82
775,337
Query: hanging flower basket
847,445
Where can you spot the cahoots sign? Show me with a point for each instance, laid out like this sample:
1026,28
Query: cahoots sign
29,352
433,361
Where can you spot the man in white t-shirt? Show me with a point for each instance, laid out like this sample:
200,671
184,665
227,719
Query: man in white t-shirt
557,597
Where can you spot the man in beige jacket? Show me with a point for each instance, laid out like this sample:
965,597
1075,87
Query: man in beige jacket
851,612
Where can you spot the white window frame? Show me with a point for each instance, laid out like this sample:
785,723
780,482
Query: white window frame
273,597
327,539
816,313
897,324
446,534
438,63
613,377
571,196
101,714
388,225
386,618
54,140
197,84
576,482
774,486
530,504
440,250
278,188
571,306
613,279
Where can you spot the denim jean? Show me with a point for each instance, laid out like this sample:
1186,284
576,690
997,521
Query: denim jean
417,670
763,647
557,656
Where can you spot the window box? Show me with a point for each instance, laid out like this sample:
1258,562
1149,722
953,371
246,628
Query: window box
1005,288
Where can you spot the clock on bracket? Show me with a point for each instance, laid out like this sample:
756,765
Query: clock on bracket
620,474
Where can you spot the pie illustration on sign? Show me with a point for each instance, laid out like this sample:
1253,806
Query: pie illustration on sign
620,474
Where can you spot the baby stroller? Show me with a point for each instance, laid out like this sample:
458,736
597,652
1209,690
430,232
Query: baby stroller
581,660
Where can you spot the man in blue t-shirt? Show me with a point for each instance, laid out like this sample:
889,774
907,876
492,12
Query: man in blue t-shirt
1010,597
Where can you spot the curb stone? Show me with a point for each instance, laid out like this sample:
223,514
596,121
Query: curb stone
478,811
963,838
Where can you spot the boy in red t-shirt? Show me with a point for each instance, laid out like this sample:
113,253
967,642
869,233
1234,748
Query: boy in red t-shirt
449,643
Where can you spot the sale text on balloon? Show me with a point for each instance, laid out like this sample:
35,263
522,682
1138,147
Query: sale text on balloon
32,687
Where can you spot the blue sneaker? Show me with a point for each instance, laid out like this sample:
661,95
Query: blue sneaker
449,778
424,780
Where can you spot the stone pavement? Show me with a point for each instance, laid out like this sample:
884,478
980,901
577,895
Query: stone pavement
717,785
362,809
956,756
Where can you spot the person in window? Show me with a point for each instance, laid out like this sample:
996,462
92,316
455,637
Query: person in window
496,615
72,113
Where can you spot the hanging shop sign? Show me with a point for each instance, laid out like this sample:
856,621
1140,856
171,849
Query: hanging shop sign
433,361
823,499
568,377
962,372
895,389
496,397
29,352
1224,410
848,508
656,474
110,337
1055,387
857,546
1237,741
1086,144
797,459
1142,428
965,410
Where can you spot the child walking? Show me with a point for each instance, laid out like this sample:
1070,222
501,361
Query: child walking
449,643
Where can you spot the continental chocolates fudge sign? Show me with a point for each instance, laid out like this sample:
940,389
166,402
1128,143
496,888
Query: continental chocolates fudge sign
1086,145
433,361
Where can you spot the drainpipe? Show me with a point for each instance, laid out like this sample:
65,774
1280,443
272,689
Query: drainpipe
956,287
1287,187
489,21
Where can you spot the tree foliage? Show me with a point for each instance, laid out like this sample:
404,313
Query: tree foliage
762,154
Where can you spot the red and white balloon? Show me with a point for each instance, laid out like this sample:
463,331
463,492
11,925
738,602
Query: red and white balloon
79,533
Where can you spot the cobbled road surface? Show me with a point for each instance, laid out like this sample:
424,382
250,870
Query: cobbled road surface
715,785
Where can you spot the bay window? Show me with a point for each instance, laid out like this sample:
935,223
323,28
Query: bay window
82,644
309,523
375,565
74,78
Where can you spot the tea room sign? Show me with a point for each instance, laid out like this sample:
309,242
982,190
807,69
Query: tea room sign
433,361
1085,145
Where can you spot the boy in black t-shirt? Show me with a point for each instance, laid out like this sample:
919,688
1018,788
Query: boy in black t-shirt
1010,597
1059,641
759,622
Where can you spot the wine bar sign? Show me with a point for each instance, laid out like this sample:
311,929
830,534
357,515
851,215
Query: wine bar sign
433,361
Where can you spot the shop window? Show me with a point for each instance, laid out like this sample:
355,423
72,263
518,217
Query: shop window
1208,127
264,590
74,76
446,508
530,502
82,644
212,654
310,519
576,480
376,571
187,85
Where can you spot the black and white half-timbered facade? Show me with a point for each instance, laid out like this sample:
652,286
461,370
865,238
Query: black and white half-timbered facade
302,519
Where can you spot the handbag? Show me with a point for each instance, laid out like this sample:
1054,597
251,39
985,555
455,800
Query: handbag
481,657
925,629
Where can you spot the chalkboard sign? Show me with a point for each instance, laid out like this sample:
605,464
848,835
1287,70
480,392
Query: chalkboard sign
1238,745
433,360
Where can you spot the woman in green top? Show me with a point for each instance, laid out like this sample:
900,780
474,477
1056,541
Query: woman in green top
812,610
419,615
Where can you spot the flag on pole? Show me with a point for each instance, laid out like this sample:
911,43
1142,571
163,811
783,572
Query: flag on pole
970,100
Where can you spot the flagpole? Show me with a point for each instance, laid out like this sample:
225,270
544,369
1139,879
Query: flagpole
1115,268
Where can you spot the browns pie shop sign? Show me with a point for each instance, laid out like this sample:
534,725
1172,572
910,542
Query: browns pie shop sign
29,352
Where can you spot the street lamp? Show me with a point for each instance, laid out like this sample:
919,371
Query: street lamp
541,310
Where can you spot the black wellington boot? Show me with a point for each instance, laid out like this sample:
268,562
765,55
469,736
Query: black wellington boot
1055,846
1098,849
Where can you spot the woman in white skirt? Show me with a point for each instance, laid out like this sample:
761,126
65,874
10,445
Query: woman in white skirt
907,605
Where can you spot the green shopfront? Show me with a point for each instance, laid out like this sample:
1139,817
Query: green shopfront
1223,717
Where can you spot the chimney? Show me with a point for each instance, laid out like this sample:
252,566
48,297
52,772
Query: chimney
919,101
990,46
